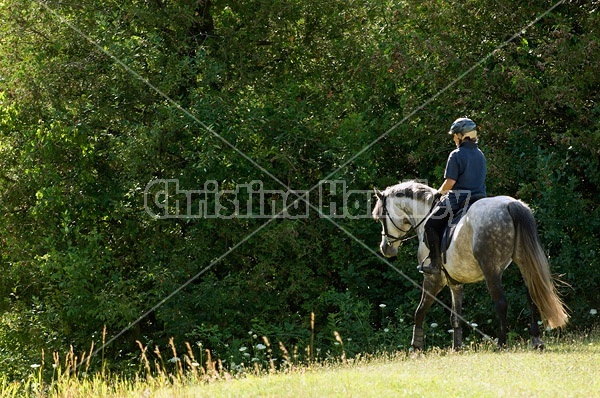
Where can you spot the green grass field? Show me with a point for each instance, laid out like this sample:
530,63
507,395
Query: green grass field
569,368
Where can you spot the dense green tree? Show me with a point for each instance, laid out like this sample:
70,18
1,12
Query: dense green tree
100,98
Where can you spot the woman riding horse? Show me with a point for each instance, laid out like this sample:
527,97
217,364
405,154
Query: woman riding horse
494,232
464,183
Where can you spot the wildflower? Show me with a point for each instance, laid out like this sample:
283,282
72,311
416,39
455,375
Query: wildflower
386,330
260,346
474,325
196,364
450,331
434,325
35,365
242,349
593,312
254,336
174,359
382,305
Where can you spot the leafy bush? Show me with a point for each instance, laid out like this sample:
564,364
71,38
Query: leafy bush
289,93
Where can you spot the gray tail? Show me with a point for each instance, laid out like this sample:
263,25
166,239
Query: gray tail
533,263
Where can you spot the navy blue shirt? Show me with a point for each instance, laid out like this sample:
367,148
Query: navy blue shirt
467,166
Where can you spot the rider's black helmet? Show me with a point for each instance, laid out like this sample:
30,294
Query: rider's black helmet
462,126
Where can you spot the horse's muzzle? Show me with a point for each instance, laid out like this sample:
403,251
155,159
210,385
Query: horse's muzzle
387,250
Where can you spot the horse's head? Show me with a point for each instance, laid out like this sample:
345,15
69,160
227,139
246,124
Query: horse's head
395,222
401,208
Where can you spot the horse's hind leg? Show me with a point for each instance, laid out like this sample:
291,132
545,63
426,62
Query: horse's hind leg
534,327
494,285
432,285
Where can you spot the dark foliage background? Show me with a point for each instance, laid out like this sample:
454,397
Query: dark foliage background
300,88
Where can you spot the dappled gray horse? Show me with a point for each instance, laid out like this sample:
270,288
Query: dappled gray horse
494,232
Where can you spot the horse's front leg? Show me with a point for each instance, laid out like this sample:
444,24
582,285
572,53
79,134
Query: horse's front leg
432,285
455,317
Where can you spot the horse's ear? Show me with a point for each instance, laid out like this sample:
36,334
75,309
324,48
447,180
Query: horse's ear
378,194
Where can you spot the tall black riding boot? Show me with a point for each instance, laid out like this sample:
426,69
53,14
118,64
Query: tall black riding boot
435,257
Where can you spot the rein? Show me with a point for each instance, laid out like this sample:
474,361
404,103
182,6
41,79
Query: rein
391,239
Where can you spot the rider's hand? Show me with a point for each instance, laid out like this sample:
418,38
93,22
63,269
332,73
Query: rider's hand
437,196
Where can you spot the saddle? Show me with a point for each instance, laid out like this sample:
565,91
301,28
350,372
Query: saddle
449,230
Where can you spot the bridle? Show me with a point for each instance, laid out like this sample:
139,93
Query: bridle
391,239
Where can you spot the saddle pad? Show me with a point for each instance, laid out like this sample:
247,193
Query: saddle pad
449,231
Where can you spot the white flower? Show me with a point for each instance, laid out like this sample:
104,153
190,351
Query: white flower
382,305
386,330
450,331
35,365
434,325
247,355
254,336
593,311
474,325
242,349
260,346
174,359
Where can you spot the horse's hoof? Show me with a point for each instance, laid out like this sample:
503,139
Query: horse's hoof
501,347
537,344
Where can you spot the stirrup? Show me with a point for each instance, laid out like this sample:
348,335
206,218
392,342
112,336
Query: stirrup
429,268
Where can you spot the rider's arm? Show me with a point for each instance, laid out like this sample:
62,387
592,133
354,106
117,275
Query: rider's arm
447,185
